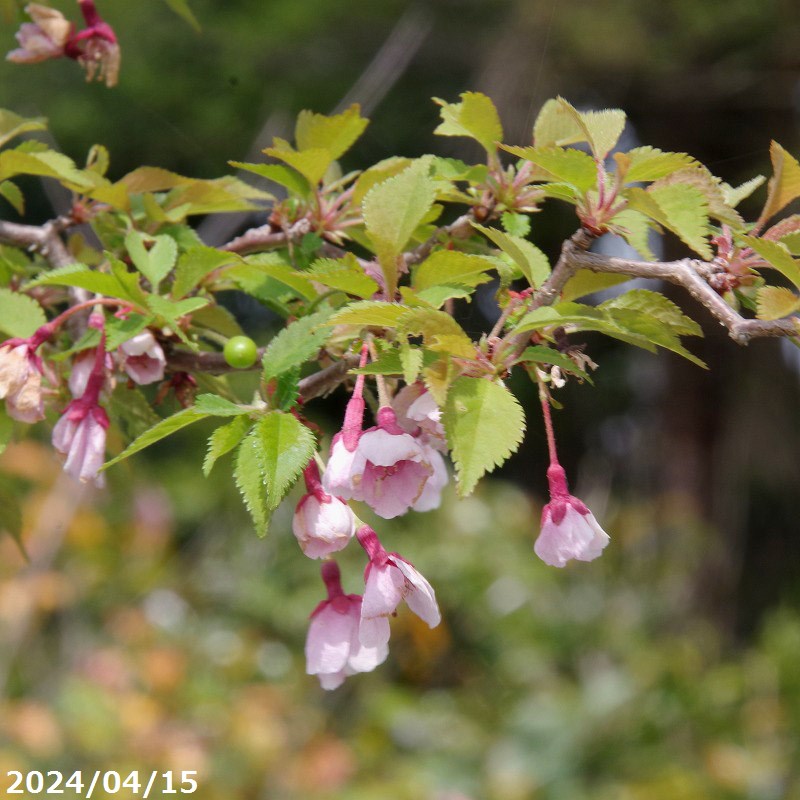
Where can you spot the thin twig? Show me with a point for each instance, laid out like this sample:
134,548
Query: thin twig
43,239
266,237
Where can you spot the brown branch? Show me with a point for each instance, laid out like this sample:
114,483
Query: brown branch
459,229
266,237
43,239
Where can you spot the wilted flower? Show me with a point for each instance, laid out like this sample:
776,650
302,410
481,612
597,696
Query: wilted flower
143,358
323,524
390,579
43,38
333,647
21,380
569,529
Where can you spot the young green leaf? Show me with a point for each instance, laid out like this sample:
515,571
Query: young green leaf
369,312
215,406
20,315
451,266
312,163
156,262
196,264
335,133
570,166
440,332
776,254
131,412
784,185
12,125
345,274
159,431
288,178
296,344
12,193
484,424
532,262
182,9
657,306
775,302
392,210
411,360
223,440
649,163
248,474
475,116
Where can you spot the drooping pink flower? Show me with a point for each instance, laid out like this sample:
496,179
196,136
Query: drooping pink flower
50,35
389,579
418,414
333,647
143,358
569,529
42,39
431,496
80,435
21,380
322,523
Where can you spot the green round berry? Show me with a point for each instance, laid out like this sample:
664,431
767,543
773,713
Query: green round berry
240,352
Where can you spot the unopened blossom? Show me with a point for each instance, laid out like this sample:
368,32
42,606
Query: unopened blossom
390,579
42,39
143,358
322,523
333,647
21,380
569,529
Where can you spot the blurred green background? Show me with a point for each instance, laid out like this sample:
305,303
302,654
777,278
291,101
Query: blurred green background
152,630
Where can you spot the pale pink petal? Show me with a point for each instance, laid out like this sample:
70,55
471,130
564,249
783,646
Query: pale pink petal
82,366
383,591
576,536
328,641
373,633
344,467
420,597
391,491
63,434
402,401
385,449
331,680
431,496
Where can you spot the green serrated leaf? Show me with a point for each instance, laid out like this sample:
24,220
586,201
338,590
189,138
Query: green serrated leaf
120,330
219,319
776,254
288,178
541,354
392,210
250,276
475,116
159,431
650,163
437,296
784,185
215,406
711,188
12,193
12,125
585,282
156,262
287,389
683,209
369,312
335,133
484,424
411,361
775,302
312,163
131,411
560,123
20,315
223,440
48,164
119,283
532,262
570,166
451,266
286,448
296,344
516,224
196,264
345,274
734,196
440,332
635,228
248,473
657,306
173,310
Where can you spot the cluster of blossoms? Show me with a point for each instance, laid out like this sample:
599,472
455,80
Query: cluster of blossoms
80,433
50,35
395,466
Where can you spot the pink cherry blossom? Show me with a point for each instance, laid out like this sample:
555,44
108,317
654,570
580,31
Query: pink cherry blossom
42,39
390,579
21,380
431,496
569,529
419,415
80,435
323,524
333,647
143,358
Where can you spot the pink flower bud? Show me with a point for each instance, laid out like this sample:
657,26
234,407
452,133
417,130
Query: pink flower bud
333,648
569,529
80,435
323,524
